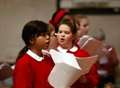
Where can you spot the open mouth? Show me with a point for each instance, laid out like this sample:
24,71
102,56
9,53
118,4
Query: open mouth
47,44
62,39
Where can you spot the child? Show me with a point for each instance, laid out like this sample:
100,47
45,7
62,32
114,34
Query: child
82,23
54,22
32,67
91,79
66,35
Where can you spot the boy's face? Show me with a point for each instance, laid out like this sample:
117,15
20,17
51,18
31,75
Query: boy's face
41,42
64,35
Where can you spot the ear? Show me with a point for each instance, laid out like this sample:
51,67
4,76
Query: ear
56,34
75,38
32,41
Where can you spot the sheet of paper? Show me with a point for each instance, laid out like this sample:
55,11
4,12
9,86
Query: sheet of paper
65,72
63,75
92,46
83,39
86,63
67,58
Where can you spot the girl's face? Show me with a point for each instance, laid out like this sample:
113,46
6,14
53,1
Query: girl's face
41,42
83,27
65,36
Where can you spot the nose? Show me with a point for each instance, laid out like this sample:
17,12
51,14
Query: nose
62,34
47,37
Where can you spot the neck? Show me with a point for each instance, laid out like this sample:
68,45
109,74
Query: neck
69,46
38,52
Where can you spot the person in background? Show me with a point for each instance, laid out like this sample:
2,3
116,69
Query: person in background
82,23
5,75
107,63
32,66
91,79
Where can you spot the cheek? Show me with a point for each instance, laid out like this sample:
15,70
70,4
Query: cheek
58,37
41,42
70,38
79,34
87,28
84,30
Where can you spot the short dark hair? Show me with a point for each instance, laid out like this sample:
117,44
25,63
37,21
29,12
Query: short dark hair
32,29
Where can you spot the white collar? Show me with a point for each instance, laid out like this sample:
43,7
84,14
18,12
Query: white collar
34,55
73,49
59,48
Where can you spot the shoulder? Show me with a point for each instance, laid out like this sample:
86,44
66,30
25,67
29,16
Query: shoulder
83,53
23,61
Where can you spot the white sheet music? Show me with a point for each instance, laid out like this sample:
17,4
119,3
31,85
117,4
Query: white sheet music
68,68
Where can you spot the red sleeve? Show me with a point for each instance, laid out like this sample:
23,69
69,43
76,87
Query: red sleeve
112,55
22,77
92,76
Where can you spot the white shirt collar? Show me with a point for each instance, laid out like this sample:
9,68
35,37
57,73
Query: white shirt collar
34,56
73,49
59,48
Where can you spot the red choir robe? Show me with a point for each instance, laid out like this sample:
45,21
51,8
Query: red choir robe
32,71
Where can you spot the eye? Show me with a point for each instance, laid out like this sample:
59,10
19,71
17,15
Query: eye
45,34
59,31
66,32
85,25
78,24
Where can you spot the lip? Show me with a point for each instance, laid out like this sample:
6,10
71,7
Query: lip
62,40
47,44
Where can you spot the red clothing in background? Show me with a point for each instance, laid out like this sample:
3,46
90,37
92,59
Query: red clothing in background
107,65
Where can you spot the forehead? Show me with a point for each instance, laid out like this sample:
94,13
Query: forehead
64,27
84,20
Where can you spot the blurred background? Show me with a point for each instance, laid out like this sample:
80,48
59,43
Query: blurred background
103,14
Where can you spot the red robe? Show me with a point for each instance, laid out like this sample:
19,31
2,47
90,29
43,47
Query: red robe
31,71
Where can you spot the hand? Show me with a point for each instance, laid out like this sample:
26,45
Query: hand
83,79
